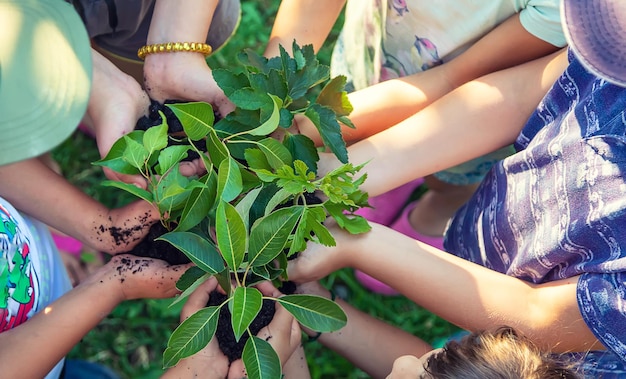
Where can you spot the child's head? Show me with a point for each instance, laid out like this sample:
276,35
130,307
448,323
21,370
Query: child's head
595,32
501,354
45,76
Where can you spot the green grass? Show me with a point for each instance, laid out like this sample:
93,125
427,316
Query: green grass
132,339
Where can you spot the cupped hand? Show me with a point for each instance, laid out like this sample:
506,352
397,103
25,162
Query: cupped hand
120,230
210,362
183,76
283,333
116,103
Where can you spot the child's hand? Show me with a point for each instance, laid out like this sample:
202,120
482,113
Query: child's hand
317,261
283,333
116,103
121,229
209,362
141,278
183,77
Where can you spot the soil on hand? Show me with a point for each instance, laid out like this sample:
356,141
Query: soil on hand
224,333
151,248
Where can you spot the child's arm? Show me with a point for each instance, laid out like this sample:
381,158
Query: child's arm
380,106
182,75
466,294
476,118
33,188
52,333
306,21
367,342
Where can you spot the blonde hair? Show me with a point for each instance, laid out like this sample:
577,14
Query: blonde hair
503,354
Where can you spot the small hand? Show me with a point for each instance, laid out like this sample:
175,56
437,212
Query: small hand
317,261
116,103
183,77
283,333
209,362
123,228
139,278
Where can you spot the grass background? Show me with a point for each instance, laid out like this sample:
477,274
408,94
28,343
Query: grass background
132,339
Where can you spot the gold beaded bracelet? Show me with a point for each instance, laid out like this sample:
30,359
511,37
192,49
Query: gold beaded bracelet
170,47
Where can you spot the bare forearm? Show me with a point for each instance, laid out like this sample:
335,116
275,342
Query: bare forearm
181,21
477,118
35,189
56,329
306,21
472,296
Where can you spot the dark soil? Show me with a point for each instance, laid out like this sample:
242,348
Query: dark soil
151,248
174,126
224,333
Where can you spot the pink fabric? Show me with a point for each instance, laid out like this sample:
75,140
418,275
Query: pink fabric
387,206
68,244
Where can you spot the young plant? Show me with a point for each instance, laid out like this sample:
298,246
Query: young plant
257,205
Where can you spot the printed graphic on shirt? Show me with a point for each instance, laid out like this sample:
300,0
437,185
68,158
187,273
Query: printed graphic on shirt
17,299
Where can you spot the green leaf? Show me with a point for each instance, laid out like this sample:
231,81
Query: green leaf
326,123
133,189
196,117
229,81
171,156
260,360
190,276
191,336
256,159
135,153
334,97
309,72
229,182
115,158
245,204
311,228
171,191
247,98
246,304
224,279
155,138
199,203
278,198
354,224
302,148
272,122
231,234
315,312
218,152
200,251
269,234
277,155
253,61
190,287
273,83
